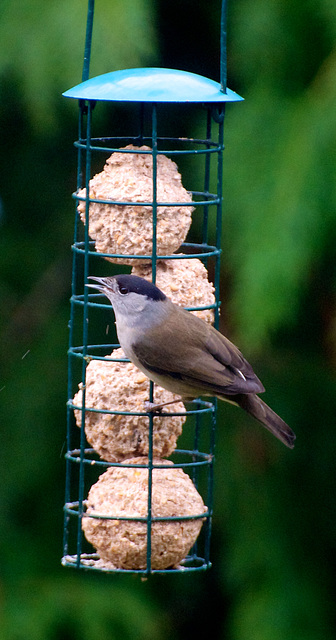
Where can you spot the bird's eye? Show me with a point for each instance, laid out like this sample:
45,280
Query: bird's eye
123,290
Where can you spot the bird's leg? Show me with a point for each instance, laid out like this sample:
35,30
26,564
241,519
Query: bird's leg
151,407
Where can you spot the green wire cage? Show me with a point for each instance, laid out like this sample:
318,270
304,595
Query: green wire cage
152,94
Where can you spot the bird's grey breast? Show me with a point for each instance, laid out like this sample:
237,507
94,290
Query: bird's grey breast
134,327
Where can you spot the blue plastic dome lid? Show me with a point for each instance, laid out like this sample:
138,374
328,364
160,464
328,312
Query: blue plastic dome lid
151,85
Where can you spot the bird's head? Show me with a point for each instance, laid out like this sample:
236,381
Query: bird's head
132,297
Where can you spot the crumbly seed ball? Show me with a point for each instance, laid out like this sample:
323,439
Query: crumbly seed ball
127,229
120,386
123,491
185,282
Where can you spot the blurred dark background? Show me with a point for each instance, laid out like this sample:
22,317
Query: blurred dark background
273,548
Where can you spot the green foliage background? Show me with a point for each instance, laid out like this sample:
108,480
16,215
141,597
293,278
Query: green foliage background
274,529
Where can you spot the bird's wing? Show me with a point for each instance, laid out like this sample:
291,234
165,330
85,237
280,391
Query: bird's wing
230,357
209,362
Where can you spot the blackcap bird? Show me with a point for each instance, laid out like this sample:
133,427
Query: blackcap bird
182,353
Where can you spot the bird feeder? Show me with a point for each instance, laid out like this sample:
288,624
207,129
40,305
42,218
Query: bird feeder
139,486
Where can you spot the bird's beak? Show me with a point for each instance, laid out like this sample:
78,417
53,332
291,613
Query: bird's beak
101,284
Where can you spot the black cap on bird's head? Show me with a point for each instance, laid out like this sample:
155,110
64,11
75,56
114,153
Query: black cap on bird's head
135,284
130,284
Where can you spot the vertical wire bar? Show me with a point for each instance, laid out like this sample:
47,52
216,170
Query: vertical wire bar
151,392
142,123
150,488
154,155
220,120
223,47
196,443
195,470
71,340
68,432
210,484
207,178
82,112
68,443
85,333
88,41
219,116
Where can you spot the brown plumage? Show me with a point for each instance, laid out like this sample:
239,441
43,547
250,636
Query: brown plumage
209,365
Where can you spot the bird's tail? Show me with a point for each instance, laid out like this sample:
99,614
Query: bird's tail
264,414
